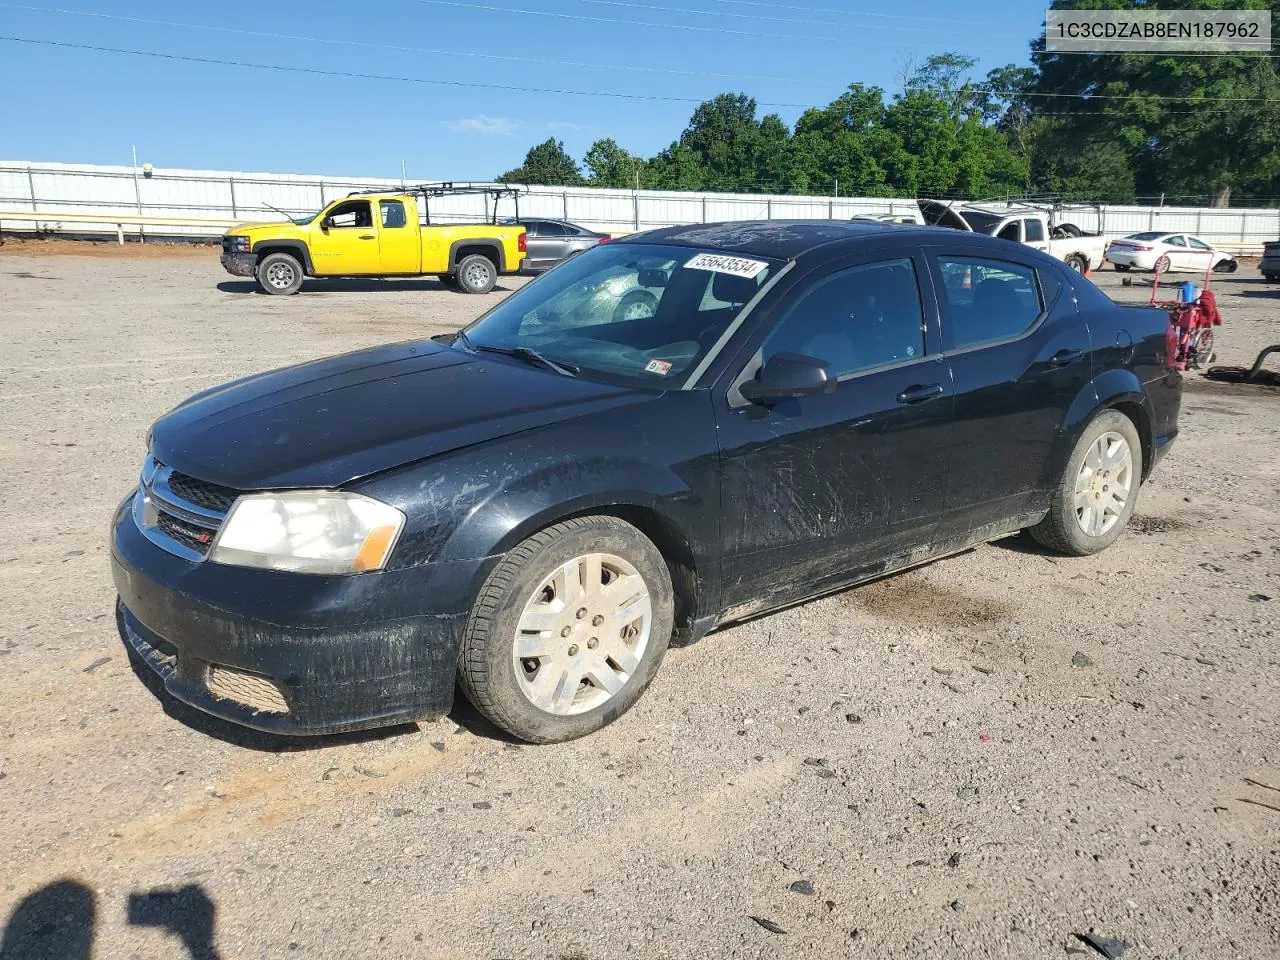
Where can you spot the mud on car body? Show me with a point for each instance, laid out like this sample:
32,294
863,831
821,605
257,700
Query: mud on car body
539,505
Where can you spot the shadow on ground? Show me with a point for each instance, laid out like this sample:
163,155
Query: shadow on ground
58,921
353,285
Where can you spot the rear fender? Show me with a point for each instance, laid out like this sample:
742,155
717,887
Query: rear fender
1117,388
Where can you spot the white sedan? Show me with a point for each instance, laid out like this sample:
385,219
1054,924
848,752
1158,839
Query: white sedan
1168,251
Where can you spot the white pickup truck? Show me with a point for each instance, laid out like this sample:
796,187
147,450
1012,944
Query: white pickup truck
1080,251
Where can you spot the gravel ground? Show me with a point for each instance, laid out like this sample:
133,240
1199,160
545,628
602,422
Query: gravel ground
981,758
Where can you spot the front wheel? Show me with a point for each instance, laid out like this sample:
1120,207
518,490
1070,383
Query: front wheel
1098,491
476,274
568,630
279,274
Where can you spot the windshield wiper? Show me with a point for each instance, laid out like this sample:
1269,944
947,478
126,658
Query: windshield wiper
527,354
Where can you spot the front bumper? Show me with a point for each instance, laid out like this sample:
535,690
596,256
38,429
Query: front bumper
294,653
240,263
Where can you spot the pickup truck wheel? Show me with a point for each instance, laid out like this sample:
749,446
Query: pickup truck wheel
279,274
1077,263
568,630
1099,488
476,274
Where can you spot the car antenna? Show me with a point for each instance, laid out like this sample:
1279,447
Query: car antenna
277,210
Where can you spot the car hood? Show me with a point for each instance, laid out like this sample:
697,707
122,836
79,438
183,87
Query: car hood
275,230
936,213
329,422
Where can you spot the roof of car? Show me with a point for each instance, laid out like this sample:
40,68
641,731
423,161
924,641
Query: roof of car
775,239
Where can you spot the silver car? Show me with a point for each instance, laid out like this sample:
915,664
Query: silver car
551,241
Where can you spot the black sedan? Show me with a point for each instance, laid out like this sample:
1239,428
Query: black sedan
540,505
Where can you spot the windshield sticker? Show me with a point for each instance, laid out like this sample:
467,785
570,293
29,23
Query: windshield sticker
660,367
719,263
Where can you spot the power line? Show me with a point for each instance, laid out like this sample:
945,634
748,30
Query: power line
757,17
354,75
512,88
390,46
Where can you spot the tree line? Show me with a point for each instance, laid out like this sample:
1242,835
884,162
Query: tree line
1115,128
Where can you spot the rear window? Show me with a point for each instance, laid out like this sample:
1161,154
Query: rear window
988,300
1144,236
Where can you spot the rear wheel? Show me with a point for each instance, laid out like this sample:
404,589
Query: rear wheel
1098,491
1162,265
279,274
568,630
1077,263
476,274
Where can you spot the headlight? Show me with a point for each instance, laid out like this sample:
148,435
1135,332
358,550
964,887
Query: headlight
240,244
308,531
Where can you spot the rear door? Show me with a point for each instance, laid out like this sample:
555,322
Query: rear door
1019,356
816,490
399,247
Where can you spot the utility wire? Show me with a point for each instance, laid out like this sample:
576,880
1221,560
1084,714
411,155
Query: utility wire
390,46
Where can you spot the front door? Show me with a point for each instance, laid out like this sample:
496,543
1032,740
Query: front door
1177,252
547,243
817,491
344,242
399,249
1020,355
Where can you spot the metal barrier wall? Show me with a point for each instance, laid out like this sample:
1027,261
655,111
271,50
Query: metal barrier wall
166,197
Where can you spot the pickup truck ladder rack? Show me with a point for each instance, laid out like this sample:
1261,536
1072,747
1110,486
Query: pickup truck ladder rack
450,189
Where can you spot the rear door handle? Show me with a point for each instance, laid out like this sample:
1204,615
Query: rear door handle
1064,357
368,236
919,394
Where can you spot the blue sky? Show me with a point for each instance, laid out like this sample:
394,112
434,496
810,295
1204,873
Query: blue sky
75,105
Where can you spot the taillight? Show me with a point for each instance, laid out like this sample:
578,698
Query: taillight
1139,247
603,240
523,243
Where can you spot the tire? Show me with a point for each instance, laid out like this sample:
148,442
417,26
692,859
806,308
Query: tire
279,274
1225,266
1064,230
475,273
632,306
1205,354
1063,529
523,590
1077,263
1162,265
1271,277
1122,267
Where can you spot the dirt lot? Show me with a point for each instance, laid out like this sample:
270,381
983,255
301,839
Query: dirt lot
981,758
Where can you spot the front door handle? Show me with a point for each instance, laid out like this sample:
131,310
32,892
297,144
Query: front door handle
919,394
368,236
1064,357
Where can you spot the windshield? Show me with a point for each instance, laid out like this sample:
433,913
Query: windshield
631,313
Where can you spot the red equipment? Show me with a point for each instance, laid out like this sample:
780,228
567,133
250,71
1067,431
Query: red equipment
1190,335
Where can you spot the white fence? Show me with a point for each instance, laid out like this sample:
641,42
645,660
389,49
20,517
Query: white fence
50,189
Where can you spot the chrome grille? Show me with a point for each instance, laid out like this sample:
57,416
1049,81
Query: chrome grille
180,513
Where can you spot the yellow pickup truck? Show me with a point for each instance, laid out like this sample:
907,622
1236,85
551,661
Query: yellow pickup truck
387,234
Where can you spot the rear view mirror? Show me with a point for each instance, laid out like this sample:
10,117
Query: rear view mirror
652,278
789,375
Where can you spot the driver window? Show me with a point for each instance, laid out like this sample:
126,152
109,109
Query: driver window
352,213
1010,231
856,319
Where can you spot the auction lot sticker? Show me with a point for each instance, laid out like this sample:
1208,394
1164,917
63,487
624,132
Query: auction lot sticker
1153,31
720,263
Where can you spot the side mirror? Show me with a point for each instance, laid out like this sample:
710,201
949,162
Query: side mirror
325,224
789,375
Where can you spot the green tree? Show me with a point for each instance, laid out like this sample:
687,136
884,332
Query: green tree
1189,126
548,163
608,165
